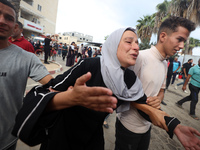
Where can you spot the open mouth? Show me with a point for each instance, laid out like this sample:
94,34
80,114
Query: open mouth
134,55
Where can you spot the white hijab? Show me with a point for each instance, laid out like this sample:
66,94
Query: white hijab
113,75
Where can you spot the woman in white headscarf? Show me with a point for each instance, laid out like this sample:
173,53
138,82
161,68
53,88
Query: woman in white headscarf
77,127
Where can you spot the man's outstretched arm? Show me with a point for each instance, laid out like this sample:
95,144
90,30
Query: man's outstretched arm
96,98
186,135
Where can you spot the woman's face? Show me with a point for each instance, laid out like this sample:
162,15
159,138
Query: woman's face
128,49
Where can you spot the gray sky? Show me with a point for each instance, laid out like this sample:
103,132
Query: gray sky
101,17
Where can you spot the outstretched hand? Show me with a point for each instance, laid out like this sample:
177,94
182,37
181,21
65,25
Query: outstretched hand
96,98
187,137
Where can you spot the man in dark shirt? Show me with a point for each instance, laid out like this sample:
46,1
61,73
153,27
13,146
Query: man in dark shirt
185,70
47,41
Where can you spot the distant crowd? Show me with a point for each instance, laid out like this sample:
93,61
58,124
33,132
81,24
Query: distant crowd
70,52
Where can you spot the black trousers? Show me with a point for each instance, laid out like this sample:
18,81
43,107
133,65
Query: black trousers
193,97
169,76
127,140
46,54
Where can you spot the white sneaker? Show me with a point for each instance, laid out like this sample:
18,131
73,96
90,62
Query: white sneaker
175,87
185,91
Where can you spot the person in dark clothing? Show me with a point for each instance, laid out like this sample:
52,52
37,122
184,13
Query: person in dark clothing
47,48
169,72
78,127
70,55
194,86
64,51
90,52
169,75
185,70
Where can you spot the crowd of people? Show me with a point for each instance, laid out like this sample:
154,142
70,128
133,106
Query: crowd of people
70,53
68,111
189,73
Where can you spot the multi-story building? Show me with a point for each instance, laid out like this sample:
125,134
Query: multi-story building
38,17
78,38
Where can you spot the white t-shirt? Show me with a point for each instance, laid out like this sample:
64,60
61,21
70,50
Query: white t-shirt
151,68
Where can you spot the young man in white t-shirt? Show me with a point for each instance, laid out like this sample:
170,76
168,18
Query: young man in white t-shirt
132,130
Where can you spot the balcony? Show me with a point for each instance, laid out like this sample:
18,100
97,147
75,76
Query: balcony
28,9
30,2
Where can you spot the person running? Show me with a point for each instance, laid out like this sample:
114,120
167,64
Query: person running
185,70
194,86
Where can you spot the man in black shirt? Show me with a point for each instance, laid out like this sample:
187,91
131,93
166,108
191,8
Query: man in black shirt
47,41
185,70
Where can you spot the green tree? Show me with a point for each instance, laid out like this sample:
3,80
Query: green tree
146,44
192,44
145,27
105,37
161,14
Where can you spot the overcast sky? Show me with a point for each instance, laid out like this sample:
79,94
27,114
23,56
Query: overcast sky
101,17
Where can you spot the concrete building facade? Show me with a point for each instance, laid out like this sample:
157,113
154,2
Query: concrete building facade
78,38
38,17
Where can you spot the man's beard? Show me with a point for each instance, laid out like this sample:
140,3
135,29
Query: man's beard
2,37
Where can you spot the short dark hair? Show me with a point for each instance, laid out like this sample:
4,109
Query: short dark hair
20,25
5,2
189,59
172,23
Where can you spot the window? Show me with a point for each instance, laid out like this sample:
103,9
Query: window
39,7
80,38
65,38
34,20
72,34
60,38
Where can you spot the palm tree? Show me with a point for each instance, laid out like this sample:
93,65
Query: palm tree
145,27
105,37
189,9
192,44
161,14
16,4
146,44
